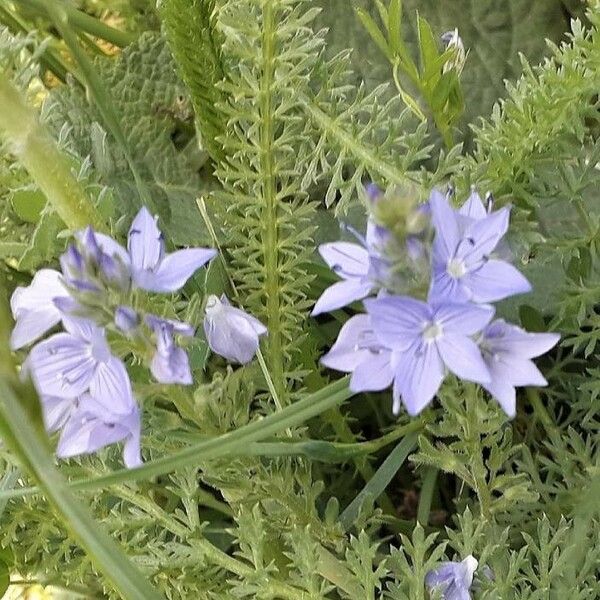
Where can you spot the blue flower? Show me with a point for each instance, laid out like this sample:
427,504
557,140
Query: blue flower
170,363
358,351
507,350
151,268
34,309
463,269
453,579
104,416
68,364
231,332
426,339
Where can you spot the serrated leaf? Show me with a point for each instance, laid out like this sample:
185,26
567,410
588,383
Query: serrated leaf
45,244
157,121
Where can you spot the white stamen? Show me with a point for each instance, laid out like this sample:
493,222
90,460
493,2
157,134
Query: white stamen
456,268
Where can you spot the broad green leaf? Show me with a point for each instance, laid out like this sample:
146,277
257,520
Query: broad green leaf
157,121
28,204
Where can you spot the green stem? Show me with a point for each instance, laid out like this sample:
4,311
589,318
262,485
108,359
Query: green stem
222,445
36,150
206,549
270,238
25,437
82,21
540,411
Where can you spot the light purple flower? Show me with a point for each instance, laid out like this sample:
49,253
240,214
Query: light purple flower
56,411
453,579
359,352
108,415
151,268
507,350
33,307
351,262
170,363
68,364
462,267
231,332
425,339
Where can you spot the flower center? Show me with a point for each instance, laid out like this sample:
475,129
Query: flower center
432,331
456,268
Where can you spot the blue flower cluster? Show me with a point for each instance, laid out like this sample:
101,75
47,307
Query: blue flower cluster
84,388
412,344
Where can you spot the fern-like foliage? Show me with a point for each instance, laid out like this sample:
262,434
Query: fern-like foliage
197,48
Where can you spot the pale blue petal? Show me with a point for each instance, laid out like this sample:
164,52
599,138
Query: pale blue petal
341,294
398,321
174,270
61,366
33,308
346,259
231,332
145,242
126,319
446,225
31,325
172,367
463,357
482,236
56,411
496,280
110,387
445,288
373,374
465,319
517,370
420,372
352,345
502,391
473,207
501,336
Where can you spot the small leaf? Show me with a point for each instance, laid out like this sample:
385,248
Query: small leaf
394,24
428,49
374,31
531,319
28,204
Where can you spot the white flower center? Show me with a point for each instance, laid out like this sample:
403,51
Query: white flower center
213,303
456,268
432,331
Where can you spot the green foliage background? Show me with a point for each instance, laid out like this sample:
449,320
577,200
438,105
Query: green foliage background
253,105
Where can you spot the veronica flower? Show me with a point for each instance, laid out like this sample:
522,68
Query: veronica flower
151,268
507,350
68,364
362,268
106,415
231,332
453,579
358,351
33,307
462,267
170,363
426,340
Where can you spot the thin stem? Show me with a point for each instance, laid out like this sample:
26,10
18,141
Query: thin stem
540,411
83,21
220,446
36,150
